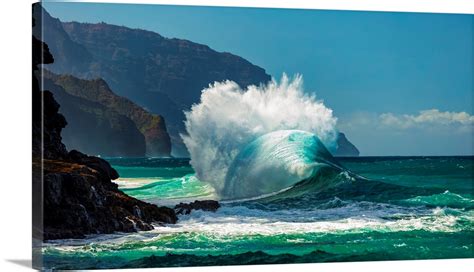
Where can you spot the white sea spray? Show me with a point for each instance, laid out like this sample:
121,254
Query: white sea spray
228,117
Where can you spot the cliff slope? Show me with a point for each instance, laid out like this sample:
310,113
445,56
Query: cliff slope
94,128
97,91
344,147
163,75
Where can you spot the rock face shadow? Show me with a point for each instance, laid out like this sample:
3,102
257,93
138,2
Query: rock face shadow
21,262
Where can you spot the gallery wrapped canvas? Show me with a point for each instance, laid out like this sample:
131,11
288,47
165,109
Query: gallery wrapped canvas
169,136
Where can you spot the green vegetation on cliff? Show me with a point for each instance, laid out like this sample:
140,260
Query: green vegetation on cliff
152,126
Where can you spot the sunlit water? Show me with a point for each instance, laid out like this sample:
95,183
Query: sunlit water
406,208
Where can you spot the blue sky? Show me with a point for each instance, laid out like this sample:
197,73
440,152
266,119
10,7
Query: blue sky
378,71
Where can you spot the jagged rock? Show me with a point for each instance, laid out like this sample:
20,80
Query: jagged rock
47,130
73,193
80,199
205,205
98,164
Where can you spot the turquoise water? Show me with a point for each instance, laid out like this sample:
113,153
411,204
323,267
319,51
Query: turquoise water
395,208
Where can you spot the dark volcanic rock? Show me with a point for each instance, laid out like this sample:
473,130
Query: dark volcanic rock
73,194
80,200
205,205
344,147
98,164
53,122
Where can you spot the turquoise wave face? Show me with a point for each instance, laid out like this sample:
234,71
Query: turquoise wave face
274,162
167,191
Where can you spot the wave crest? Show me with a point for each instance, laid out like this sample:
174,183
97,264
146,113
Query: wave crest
229,117
275,161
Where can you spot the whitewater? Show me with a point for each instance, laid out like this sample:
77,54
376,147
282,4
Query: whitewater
229,117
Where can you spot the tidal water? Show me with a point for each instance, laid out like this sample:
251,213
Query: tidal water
373,208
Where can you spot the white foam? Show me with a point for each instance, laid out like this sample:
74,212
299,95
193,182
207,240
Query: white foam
234,222
130,183
229,117
237,221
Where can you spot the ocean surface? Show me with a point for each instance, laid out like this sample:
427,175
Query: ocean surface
358,209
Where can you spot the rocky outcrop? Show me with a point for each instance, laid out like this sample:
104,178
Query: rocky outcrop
96,91
165,76
344,147
80,198
102,167
205,205
73,194
47,130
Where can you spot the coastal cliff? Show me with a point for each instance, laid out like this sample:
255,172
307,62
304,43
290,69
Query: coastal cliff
163,75
139,132
113,134
73,194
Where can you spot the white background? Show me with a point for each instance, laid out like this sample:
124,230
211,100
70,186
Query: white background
15,117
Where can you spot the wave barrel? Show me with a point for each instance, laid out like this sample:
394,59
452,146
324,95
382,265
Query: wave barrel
274,162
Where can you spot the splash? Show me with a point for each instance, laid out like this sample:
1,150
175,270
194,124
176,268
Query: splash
229,117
